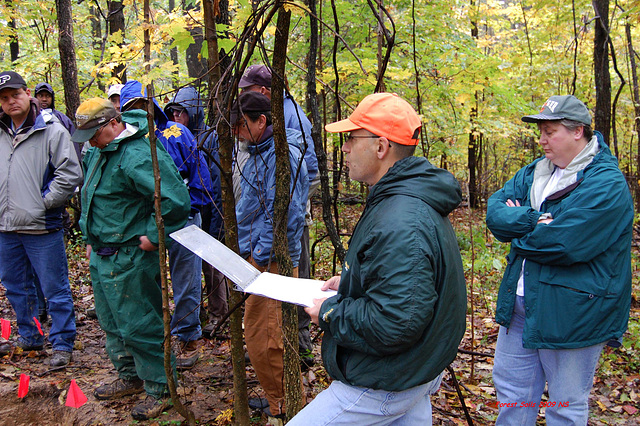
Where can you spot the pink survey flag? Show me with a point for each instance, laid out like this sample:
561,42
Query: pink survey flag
38,325
75,397
6,328
23,387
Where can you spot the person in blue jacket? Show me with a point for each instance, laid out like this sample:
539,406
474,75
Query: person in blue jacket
185,266
251,123
566,290
45,94
187,108
257,78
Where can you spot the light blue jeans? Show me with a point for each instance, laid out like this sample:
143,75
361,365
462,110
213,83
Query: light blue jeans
186,273
519,376
342,404
22,256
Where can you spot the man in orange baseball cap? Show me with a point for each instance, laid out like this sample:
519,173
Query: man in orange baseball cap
399,314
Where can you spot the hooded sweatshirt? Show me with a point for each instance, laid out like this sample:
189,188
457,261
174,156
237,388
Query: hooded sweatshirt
207,141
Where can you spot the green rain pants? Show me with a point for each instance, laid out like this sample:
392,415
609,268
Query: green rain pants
129,308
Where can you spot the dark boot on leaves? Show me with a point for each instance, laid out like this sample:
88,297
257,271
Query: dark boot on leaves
150,408
119,388
60,358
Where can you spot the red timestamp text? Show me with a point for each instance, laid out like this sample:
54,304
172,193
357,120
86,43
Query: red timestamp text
544,404
525,404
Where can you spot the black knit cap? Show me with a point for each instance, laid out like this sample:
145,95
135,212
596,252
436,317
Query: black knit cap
249,102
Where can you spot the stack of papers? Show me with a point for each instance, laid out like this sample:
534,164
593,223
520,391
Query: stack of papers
247,278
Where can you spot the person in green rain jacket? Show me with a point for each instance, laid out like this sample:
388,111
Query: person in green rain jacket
119,225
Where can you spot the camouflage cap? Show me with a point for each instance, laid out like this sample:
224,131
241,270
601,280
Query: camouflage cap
90,116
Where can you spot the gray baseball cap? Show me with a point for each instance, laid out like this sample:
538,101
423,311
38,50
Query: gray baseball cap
559,108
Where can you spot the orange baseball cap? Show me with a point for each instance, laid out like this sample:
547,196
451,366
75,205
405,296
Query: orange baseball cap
383,114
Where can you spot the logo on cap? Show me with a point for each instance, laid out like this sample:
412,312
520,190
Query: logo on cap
4,79
550,104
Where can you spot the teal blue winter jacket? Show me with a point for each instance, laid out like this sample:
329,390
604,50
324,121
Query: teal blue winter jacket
399,314
577,275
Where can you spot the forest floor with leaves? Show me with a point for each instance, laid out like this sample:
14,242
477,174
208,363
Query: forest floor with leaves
207,389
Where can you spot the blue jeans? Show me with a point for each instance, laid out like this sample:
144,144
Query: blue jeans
519,376
186,272
42,301
342,404
22,255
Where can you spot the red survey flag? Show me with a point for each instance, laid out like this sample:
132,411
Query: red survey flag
6,328
75,397
23,387
38,325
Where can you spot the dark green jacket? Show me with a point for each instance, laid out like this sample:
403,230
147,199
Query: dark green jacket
578,271
117,196
400,310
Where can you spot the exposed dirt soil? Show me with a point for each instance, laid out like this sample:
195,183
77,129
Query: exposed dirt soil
207,389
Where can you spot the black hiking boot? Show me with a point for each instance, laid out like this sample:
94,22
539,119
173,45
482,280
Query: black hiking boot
60,358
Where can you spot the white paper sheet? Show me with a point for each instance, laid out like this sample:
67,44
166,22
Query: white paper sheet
217,254
298,291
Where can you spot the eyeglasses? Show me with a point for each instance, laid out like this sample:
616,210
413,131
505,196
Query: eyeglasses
361,137
177,112
96,135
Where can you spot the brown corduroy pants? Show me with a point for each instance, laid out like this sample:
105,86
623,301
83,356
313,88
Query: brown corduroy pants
263,336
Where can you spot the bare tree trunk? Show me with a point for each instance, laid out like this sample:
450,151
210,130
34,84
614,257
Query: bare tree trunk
96,35
337,165
14,46
196,63
381,43
240,400
68,57
389,38
635,95
166,317
602,116
173,54
115,22
292,375
414,56
316,130
472,148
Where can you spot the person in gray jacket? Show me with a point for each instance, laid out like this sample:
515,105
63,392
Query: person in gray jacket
39,171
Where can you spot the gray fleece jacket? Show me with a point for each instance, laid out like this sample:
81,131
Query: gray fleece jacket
39,171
